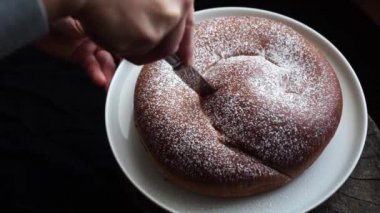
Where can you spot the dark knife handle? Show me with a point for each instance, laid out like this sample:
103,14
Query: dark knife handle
190,76
174,61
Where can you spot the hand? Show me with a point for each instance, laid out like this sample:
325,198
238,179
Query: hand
68,41
142,31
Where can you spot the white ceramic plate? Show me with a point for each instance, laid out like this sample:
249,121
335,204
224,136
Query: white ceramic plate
307,191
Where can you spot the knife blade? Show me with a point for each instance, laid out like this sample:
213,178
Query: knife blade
190,76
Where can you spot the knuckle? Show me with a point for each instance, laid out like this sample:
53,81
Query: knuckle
146,39
150,38
170,10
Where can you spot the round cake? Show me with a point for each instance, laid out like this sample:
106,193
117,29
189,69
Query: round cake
277,104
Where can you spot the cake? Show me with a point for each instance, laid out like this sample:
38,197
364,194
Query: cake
277,104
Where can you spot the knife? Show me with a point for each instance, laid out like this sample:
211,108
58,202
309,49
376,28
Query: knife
190,76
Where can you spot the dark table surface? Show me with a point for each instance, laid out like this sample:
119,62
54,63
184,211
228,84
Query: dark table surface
54,153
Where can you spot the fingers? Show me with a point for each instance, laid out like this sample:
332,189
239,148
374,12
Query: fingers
130,27
140,30
169,45
185,50
84,49
67,40
99,64
93,69
143,31
163,19
180,38
107,65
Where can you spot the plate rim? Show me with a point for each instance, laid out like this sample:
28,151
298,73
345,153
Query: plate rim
258,13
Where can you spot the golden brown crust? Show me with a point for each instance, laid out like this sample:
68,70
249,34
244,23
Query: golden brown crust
277,105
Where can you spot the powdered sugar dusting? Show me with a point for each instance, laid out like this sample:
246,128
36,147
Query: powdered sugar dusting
277,102
184,138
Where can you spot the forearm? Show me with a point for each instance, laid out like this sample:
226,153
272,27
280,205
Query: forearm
21,21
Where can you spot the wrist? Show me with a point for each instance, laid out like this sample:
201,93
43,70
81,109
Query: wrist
56,9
